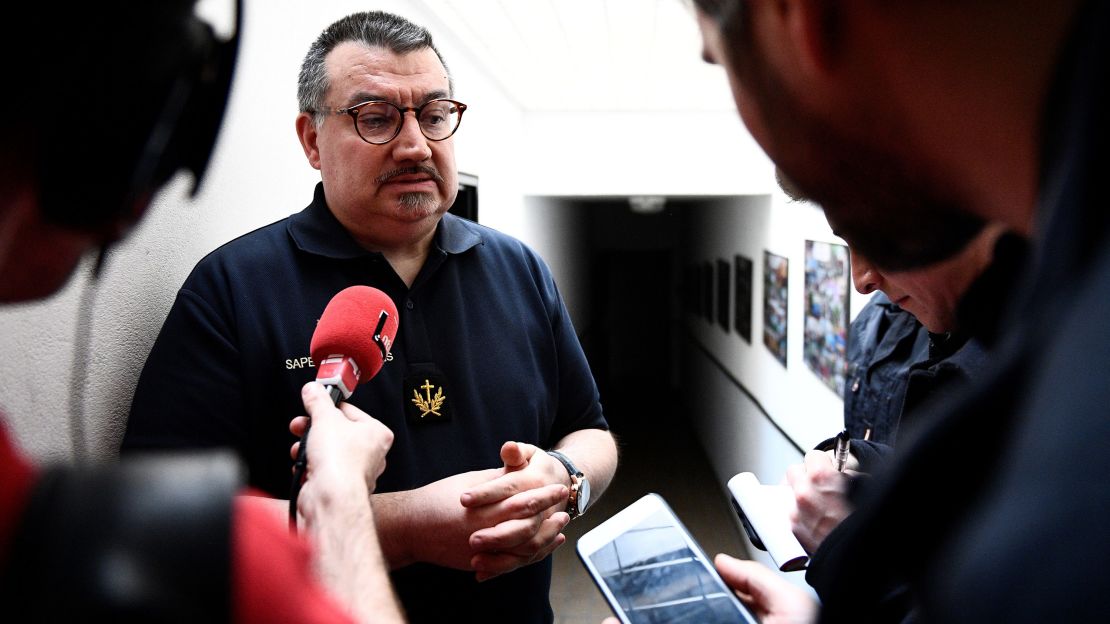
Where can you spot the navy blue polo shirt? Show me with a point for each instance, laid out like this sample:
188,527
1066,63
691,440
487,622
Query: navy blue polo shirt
485,353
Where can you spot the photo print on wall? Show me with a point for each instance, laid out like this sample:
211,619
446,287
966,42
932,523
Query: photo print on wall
825,338
776,271
743,315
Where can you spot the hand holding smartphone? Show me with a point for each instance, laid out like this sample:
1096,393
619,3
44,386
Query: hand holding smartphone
651,570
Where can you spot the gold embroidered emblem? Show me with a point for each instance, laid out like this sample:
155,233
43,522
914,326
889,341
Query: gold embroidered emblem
428,404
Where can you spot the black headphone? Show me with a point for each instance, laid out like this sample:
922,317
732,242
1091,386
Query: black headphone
139,90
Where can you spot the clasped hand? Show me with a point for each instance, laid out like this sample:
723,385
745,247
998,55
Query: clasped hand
532,489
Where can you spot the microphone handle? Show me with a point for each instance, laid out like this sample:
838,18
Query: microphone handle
301,463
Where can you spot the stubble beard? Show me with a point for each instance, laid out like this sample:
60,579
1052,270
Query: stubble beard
418,203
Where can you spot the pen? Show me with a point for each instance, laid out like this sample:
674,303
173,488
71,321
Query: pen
842,448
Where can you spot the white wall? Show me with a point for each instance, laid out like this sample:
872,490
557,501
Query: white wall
765,423
736,436
805,408
657,153
556,231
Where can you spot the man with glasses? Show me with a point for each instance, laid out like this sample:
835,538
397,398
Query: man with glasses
486,371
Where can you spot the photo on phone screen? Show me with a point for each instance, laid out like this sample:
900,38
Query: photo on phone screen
652,571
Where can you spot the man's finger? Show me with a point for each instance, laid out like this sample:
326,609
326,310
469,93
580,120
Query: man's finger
818,461
489,565
523,536
747,577
795,475
316,400
518,491
297,425
536,502
547,539
495,490
504,536
513,456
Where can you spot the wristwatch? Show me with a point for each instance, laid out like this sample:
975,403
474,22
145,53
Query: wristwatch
579,486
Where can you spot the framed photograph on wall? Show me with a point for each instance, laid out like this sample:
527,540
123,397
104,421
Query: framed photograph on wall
776,274
724,279
742,318
825,338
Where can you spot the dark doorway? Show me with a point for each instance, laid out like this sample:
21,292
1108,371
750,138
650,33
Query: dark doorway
631,340
466,202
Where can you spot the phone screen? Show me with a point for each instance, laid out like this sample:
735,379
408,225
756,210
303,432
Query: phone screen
655,576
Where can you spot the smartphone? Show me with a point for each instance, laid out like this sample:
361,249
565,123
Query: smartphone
651,570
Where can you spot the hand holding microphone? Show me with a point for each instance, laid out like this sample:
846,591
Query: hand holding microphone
351,343
346,442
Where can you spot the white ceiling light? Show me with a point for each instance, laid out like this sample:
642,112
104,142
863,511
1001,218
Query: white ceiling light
647,204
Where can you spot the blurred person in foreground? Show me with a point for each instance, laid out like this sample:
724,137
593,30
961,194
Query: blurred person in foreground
154,539
910,123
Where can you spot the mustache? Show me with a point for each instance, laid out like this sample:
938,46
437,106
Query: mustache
416,169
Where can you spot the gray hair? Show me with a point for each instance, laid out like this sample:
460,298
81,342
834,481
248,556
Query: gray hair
376,29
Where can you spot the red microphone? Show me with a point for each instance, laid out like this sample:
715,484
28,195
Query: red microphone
351,343
353,338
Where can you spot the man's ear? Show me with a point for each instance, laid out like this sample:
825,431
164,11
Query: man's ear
813,27
306,132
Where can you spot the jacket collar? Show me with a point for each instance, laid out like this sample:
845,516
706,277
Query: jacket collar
315,230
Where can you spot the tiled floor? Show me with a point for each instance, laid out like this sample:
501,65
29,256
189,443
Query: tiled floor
666,460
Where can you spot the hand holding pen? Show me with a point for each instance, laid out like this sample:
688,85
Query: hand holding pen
843,449
820,488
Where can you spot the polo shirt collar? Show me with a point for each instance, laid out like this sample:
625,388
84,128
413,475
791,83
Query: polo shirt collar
456,235
315,230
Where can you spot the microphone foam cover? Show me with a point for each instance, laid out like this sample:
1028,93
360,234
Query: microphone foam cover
347,328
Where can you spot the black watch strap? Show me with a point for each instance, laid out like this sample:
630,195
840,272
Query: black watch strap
579,486
569,465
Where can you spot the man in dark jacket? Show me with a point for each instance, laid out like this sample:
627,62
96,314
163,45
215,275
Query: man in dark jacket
904,348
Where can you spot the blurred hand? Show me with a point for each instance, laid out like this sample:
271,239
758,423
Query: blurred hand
767,595
820,497
770,597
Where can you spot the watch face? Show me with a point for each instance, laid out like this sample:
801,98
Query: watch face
583,495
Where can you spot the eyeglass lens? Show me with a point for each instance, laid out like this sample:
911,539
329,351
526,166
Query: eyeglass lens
378,122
